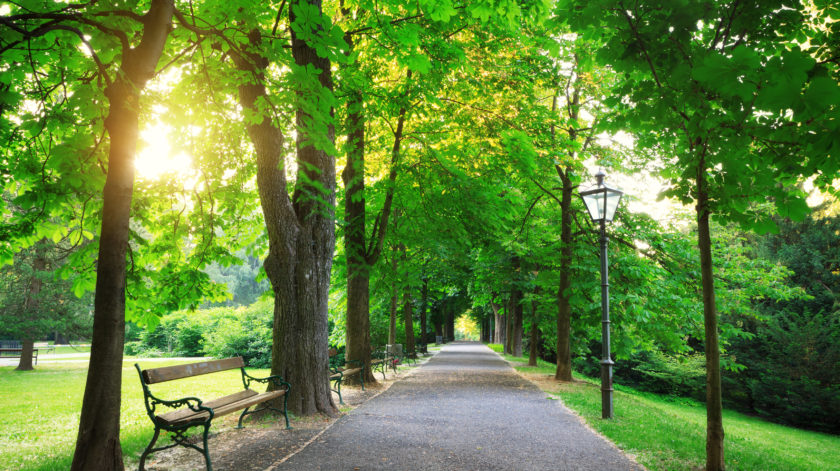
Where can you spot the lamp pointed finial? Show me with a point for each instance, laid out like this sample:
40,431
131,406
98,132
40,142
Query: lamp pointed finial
599,177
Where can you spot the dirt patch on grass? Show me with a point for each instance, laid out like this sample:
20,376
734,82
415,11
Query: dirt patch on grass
264,441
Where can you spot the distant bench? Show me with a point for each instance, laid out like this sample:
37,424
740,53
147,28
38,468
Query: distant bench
14,349
193,412
342,369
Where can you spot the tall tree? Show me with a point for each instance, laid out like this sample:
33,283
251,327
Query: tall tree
729,95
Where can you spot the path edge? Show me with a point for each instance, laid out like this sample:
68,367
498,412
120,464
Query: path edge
560,403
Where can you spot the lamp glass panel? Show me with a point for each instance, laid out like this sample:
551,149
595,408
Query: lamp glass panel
613,198
595,205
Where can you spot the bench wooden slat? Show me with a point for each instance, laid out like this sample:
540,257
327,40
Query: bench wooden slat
168,373
221,406
349,371
179,414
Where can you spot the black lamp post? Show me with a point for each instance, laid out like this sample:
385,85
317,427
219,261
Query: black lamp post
601,202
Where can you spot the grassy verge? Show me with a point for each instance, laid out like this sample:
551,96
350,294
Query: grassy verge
39,410
667,433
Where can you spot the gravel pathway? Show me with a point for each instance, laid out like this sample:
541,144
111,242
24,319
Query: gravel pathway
465,409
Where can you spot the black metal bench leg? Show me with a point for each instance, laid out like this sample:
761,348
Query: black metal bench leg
148,449
285,410
206,449
242,416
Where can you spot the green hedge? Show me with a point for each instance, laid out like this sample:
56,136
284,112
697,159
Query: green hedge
217,332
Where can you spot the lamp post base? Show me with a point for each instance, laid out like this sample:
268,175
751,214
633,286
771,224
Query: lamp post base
606,388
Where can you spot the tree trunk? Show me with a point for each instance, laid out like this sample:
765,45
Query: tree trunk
301,232
392,320
714,416
98,440
450,324
535,335
358,268
424,298
515,324
503,324
498,334
301,245
26,351
564,309
409,322
359,257
517,328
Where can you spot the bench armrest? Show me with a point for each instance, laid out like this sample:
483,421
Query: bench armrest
276,379
193,403
152,402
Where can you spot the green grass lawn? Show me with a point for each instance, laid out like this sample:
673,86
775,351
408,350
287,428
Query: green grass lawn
39,410
667,433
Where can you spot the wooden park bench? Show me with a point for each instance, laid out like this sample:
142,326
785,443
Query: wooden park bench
182,414
341,369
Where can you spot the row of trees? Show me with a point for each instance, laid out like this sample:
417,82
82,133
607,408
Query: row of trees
464,130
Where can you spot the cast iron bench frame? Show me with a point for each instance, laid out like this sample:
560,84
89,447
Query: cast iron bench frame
378,361
338,372
193,412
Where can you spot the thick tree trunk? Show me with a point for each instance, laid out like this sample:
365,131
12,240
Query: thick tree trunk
301,245
564,309
450,324
301,232
714,417
26,351
98,441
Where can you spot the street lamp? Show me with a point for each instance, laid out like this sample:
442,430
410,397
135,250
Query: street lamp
601,202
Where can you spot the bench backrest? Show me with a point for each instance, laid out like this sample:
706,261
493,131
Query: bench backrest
10,344
169,373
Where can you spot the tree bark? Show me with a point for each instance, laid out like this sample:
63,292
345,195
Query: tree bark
564,309
98,440
301,232
26,351
714,408
301,243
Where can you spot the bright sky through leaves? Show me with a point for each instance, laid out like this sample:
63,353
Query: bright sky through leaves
156,156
